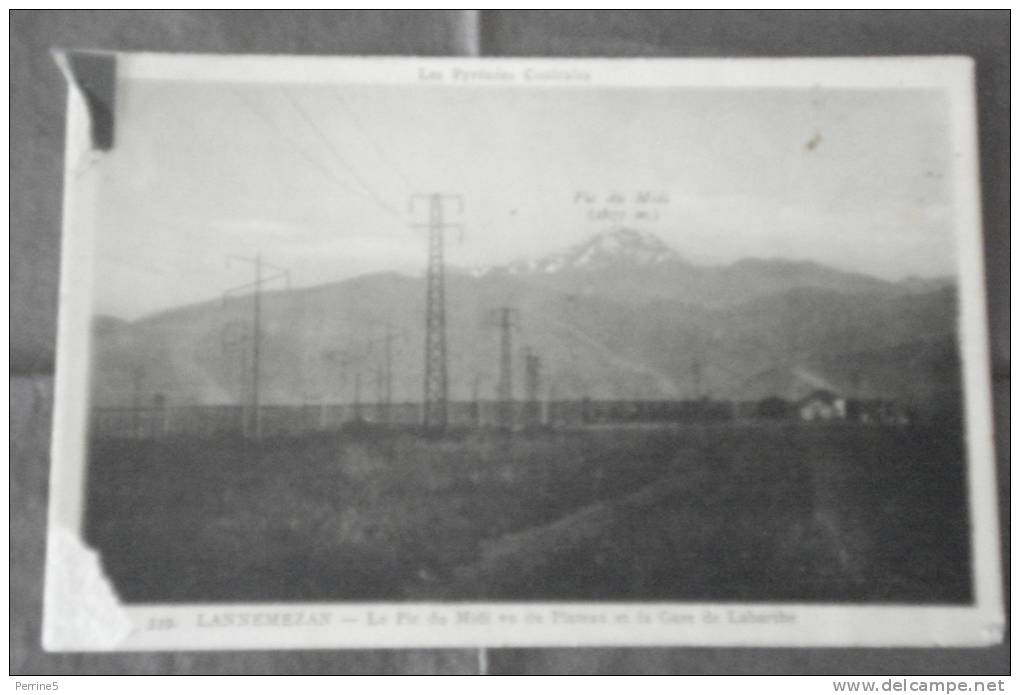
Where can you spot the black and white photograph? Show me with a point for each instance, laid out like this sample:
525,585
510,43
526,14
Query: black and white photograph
396,352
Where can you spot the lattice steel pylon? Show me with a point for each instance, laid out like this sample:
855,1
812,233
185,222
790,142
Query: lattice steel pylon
436,376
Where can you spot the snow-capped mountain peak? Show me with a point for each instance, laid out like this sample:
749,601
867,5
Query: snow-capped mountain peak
605,250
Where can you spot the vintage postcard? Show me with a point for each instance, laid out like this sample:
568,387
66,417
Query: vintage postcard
397,352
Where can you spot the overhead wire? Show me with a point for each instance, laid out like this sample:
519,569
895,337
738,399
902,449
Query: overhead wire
294,147
330,147
383,155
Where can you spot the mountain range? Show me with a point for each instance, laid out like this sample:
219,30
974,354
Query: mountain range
621,315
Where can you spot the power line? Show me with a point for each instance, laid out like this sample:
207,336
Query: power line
371,194
293,146
372,141
298,150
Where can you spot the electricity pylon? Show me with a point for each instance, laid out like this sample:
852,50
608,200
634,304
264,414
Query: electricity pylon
436,376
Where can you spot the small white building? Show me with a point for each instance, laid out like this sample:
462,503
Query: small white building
822,405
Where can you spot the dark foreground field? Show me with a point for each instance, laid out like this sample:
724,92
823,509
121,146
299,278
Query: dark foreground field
723,512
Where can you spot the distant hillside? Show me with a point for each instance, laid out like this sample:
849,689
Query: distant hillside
652,326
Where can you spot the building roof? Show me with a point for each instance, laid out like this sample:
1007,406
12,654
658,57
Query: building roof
822,395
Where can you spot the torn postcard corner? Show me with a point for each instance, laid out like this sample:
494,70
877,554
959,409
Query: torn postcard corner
81,608
92,80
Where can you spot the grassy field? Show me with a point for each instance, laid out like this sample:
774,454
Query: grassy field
716,512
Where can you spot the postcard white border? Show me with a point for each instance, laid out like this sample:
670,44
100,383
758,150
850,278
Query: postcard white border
340,625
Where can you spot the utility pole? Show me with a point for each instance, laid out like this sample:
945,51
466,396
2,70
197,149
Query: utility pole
552,408
256,372
506,319
160,424
276,273
323,409
793,333
381,408
137,375
532,377
235,337
388,337
384,373
436,376
357,396
476,403
344,359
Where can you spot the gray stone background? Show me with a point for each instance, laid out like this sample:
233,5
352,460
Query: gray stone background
37,120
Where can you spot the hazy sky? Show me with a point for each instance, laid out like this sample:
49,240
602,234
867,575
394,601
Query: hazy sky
318,178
